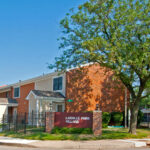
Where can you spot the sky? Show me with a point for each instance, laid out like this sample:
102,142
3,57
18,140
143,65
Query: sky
29,30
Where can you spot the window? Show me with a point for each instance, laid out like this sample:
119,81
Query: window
17,92
59,108
57,83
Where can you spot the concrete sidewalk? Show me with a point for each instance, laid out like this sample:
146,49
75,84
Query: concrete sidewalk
98,144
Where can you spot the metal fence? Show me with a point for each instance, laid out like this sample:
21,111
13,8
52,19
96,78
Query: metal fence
27,122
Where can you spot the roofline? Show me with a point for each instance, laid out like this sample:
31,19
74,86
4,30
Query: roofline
41,77
44,97
84,65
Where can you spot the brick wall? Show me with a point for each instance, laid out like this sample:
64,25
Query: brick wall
76,120
93,85
3,95
23,104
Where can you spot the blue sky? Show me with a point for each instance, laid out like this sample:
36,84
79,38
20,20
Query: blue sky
28,36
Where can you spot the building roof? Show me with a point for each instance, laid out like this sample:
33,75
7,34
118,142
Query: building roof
44,76
146,110
40,93
8,101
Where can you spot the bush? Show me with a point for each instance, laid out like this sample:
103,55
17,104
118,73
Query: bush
66,130
140,118
117,118
105,119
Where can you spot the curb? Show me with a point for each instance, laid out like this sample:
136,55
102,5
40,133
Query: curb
136,143
117,145
77,146
17,145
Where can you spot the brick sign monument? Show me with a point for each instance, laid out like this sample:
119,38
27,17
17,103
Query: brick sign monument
75,120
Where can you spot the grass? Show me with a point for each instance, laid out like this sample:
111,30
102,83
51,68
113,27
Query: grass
107,134
66,130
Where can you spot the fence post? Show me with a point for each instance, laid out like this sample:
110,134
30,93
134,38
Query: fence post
32,118
3,122
25,117
9,121
16,122
45,123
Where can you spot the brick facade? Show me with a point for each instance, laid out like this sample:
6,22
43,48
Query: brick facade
97,122
93,85
23,104
50,116
87,87
6,94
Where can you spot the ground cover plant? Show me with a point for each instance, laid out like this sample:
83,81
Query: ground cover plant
107,134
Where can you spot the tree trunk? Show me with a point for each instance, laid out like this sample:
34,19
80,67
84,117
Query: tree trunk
134,115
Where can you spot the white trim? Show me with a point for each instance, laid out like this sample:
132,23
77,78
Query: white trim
31,92
14,91
12,105
45,98
51,98
63,107
37,111
54,77
84,65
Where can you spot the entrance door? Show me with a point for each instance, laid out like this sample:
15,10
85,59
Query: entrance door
10,111
59,108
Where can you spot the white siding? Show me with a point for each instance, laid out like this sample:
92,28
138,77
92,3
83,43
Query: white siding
3,110
32,104
47,84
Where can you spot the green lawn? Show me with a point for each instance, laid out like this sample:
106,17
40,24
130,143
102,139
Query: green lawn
107,134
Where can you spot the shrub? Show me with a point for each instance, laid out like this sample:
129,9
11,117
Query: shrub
140,117
66,130
117,118
105,119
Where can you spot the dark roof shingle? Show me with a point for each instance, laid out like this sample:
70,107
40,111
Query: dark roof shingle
47,94
8,101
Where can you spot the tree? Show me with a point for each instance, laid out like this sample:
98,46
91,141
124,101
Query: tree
114,34
145,103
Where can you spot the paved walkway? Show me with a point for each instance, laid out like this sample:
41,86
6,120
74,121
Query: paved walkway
98,144
15,140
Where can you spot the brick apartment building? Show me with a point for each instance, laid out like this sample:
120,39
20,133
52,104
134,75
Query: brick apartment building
78,89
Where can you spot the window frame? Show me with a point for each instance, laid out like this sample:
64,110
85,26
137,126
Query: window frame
53,83
14,92
63,107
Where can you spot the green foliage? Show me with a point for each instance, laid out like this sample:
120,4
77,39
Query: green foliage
105,119
145,103
66,130
117,118
140,117
107,134
114,34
